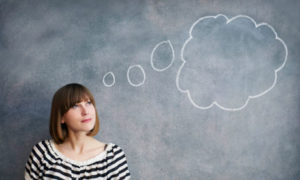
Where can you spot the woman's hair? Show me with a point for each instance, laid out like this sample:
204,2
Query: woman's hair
64,98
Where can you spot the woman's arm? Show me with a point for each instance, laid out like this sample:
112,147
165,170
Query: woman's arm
119,163
33,164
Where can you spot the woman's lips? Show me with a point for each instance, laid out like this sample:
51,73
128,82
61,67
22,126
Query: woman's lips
86,120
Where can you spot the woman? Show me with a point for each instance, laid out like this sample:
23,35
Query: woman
73,152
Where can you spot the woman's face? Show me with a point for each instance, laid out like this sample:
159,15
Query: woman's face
80,117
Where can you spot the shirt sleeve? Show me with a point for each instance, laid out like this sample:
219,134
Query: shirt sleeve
33,164
121,171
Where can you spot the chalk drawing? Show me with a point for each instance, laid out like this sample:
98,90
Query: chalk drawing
142,71
107,75
215,103
154,50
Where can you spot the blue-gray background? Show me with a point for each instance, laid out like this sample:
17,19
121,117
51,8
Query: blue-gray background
47,44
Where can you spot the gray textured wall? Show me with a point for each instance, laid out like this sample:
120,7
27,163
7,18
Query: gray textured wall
186,96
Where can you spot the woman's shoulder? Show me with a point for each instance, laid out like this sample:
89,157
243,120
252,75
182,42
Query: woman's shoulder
41,147
115,149
118,159
115,146
42,143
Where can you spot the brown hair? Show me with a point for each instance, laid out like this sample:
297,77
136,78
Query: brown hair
63,99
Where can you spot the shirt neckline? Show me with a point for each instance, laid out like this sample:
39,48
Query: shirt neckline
79,163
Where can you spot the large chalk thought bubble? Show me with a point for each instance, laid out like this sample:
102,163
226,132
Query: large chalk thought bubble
227,62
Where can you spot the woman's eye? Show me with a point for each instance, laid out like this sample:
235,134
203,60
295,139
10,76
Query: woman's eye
89,102
74,106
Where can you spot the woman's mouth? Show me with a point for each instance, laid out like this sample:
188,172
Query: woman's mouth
86,120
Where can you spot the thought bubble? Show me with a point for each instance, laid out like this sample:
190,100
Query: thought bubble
136,75
227,62
109,79
162,56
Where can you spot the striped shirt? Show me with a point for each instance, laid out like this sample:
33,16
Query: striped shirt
46,162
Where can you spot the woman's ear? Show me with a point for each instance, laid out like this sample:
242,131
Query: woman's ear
62,121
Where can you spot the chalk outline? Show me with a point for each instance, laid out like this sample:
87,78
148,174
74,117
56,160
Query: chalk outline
249,97
144,74
114,79
154,49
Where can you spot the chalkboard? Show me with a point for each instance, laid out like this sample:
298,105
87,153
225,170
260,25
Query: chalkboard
189,90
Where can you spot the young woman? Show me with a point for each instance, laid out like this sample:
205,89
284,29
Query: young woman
73,152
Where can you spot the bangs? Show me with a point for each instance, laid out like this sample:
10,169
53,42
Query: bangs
75,95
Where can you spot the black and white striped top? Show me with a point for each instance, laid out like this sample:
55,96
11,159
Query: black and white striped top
46,162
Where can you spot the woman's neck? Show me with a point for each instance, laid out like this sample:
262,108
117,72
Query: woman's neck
78,143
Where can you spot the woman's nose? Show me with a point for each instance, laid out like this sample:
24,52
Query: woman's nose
84,110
